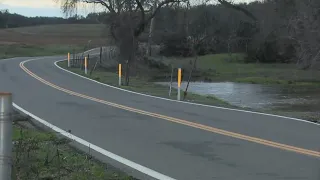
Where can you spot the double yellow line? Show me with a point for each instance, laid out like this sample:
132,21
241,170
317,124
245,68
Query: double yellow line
180,121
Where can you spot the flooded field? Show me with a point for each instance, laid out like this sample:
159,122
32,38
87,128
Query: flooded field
260,97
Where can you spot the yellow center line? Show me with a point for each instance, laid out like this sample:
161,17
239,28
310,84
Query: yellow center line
181,121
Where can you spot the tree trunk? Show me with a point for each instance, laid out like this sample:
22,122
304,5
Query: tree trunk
148,51
127,46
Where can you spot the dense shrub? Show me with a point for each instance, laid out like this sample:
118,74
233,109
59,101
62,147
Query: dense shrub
175,45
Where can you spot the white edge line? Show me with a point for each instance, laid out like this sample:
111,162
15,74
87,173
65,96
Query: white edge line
104,152
204,105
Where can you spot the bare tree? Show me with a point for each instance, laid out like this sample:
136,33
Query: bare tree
127,20
304,28
148,51
229,4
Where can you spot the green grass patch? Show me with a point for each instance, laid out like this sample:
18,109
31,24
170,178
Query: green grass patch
143,85
42,155
262,80
21,50
222,67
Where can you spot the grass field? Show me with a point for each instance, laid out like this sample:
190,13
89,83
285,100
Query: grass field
19,50
220,67
50,39
67,34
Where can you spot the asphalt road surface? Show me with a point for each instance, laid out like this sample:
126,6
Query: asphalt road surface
182,141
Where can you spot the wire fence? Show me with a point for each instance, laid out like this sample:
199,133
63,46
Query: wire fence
106,56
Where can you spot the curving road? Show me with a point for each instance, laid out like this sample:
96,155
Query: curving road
179,140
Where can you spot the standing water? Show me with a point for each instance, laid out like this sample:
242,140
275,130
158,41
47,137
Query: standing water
253,96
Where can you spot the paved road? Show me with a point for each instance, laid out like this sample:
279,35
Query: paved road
183,141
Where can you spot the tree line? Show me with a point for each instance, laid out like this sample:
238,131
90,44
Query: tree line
271,31
268,31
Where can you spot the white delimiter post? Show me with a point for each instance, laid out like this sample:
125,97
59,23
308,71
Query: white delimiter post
5,135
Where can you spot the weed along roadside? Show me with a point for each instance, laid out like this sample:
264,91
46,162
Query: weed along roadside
39,154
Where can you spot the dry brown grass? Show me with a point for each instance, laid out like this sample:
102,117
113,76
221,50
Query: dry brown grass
49,40
66,34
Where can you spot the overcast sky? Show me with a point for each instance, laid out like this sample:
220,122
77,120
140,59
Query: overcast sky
44,7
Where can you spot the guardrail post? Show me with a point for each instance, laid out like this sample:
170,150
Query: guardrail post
5,136
179,83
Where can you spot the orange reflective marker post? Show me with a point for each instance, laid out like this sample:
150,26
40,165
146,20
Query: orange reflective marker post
120,68
68,59
86,65
179,83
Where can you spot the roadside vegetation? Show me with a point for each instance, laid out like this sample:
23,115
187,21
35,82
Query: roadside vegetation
144,84
233,67
44,155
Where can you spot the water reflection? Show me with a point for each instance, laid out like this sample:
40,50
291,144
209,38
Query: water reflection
254,96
